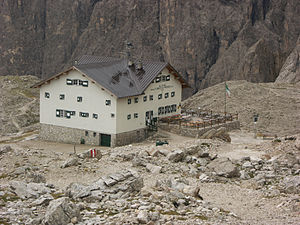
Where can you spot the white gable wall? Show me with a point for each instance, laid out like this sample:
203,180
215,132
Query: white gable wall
162,87
93,101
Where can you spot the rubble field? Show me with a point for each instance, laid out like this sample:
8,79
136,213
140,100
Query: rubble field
188,181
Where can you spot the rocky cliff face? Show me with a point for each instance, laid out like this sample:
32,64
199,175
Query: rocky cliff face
207,41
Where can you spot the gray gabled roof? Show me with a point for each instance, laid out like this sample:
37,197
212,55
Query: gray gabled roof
117,76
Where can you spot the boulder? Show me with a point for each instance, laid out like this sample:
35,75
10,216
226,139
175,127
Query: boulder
30,190
176,156
153,168
143,217
61,211
43,200
292,185
5,149
224,167
70,162
75,190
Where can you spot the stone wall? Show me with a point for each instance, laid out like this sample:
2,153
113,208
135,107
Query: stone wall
131,137
68,135
72,135
194,132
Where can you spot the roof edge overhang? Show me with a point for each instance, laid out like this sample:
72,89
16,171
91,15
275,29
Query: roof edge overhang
174,72
39,84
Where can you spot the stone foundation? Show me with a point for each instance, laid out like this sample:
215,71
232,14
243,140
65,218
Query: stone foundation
131,137
193,132
75,136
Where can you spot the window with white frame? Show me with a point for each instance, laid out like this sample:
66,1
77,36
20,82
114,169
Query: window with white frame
128,116
172,93
145,98
84,114
167,95
159,96
79,99
136,100
95,115
59,113
135,115
150,97
112,115
47,95
107,102
129,101
62,96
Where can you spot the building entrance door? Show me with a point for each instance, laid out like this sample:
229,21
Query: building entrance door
105,140
149,117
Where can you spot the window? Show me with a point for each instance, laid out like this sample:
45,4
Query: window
129,116
161,110
67,114
72,113
167,77
166,95
86,133
61,96
167,109
59,113
163,78
135,115
94,134
79,99
129,101
47,95
136,100
159,96
112,115
107,102
173,108
151,97
85,83
69,82
172,93
157,79
145,98
84,114
75,82
95,115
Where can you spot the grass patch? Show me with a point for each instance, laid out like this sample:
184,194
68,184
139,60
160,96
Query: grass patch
4,221
9,198
170,213
4,175
57,195
201,217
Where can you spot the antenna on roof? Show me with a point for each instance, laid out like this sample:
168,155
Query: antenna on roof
128,47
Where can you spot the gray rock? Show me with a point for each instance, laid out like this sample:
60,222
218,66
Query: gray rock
176,156
153,168
292,184
75,190
35,177
247,164
5,149
224,167
142,217
30,190
70,162
43,200
61,211
138,161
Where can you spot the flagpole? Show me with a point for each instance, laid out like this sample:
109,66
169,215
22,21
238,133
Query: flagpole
225,100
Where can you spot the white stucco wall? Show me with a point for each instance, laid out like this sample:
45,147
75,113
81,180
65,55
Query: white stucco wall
123,108
93,102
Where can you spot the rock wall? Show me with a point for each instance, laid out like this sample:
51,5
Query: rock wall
207,41
193,132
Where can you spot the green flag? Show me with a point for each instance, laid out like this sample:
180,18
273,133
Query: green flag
227,90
